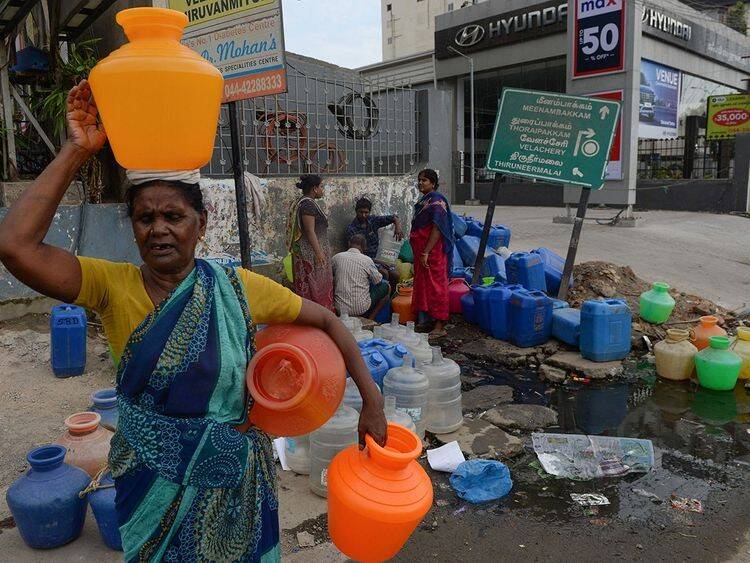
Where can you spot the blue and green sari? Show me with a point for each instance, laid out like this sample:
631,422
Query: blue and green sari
190,487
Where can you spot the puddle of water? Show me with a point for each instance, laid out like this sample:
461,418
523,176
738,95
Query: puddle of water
701,439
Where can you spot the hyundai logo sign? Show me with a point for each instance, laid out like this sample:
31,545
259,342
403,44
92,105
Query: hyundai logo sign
469,35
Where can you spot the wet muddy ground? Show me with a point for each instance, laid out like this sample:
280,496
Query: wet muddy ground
701,439
702,444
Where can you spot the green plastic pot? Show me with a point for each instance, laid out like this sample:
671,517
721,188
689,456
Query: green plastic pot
656,304
717,366
288,267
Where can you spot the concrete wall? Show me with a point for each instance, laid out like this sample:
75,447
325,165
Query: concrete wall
395,195
538,194
410,25
107,233
710,196
437,133
717,196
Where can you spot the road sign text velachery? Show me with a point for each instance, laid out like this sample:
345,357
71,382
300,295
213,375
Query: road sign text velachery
553,137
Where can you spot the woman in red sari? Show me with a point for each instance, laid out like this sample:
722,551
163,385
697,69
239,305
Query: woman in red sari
432,242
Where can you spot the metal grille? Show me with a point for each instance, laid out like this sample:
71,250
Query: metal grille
327,126
683,158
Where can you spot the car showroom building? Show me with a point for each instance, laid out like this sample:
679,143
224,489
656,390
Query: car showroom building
661,58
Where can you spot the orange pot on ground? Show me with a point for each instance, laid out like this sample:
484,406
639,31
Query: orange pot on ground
87,442
377,496
707,328
401,304
297,379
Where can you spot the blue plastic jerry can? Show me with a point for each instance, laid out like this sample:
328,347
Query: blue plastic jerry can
606,327
68,340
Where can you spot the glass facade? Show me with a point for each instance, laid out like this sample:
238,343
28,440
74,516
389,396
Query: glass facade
694,96
548,76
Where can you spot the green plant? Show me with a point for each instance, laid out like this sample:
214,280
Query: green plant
736,17
81,59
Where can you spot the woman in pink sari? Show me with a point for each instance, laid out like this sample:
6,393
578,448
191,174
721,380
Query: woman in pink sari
432,242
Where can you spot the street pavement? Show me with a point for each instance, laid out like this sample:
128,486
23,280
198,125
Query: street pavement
700,253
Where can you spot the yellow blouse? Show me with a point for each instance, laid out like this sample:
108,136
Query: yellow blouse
116,292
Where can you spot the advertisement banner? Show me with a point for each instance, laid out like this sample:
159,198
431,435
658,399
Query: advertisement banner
246,43
598,41
727,115
614,165
200,12
659,100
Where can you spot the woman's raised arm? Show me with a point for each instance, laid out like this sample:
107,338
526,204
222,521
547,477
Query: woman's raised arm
47,269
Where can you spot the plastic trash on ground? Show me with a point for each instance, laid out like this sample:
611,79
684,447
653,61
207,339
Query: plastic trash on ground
481,480
576,456
446,458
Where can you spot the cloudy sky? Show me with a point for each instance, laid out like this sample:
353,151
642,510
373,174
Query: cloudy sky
342,32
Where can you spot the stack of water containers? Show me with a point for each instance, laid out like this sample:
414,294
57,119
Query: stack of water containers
468,233
421,389
520,311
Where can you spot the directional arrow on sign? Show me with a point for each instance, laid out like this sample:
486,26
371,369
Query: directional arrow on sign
603,112
585,134
577,172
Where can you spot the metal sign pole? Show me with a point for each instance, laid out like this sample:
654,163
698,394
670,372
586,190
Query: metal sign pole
487,225
573,247
235,124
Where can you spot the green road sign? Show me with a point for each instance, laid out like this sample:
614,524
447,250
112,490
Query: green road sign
553,137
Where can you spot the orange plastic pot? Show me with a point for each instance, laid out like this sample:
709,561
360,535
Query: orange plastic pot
707,328
377,496
158,99
297,379
87,442
401,304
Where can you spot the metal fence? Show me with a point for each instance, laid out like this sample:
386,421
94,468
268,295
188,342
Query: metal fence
685,158
325,125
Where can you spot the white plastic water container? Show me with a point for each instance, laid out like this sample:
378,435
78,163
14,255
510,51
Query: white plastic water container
352,397
359,334
388,247
444,412
298,454
410,388
409,339
423,351
381,332
351,323
394,329
337,434
392,414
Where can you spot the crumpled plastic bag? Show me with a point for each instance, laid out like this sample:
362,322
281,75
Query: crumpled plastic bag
481,480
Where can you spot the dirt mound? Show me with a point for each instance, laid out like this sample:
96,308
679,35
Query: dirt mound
593,280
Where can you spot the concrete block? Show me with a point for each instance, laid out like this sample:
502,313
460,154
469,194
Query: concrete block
10,191
480,438
486,396
573,362
521,417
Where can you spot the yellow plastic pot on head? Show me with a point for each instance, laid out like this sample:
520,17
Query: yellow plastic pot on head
158,99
